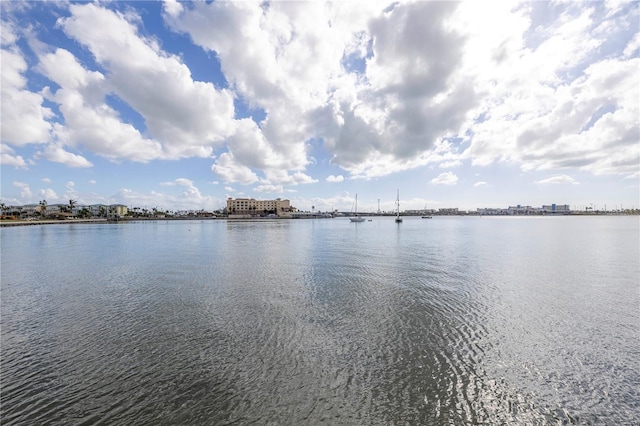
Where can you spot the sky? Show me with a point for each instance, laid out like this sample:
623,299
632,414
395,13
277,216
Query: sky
180,105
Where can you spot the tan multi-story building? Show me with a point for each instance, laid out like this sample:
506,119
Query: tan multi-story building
242,207
119,209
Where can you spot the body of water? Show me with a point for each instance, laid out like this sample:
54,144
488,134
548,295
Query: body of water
450,320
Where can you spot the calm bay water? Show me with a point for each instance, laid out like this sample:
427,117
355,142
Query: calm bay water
442,321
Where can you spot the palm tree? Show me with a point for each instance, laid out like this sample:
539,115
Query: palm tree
43,208
72,204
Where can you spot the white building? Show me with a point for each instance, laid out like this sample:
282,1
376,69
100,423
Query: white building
521,210
556,208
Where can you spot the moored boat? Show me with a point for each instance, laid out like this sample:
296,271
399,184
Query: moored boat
398,218
356,218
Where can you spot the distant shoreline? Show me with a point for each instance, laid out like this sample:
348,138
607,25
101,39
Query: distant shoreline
48,222
10,223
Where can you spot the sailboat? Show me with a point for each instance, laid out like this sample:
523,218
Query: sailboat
424,213
398,218
356,218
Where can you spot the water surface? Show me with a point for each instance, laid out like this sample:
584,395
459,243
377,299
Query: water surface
442,321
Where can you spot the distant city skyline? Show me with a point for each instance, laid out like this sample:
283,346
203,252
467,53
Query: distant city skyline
180,105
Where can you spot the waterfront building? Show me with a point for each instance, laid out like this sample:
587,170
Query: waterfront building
448,211
249,207
49,209
119,210
526,210
21,212
518,209
62,210
491,212
103,210
556,208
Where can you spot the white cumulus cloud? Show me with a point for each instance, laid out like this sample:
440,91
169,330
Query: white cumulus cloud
562,179
57,154
24,118
49,194
25,189
187,117
231,171
8,157
447,178
269,188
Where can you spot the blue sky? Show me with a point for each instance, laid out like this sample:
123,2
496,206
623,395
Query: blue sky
181,105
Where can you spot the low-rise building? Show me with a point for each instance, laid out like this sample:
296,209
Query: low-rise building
519,210
104,210
491,212
448,211
526,210
47,210
119,210
556,208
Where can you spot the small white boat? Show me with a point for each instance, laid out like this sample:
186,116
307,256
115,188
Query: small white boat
424,213
356,218
398,218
